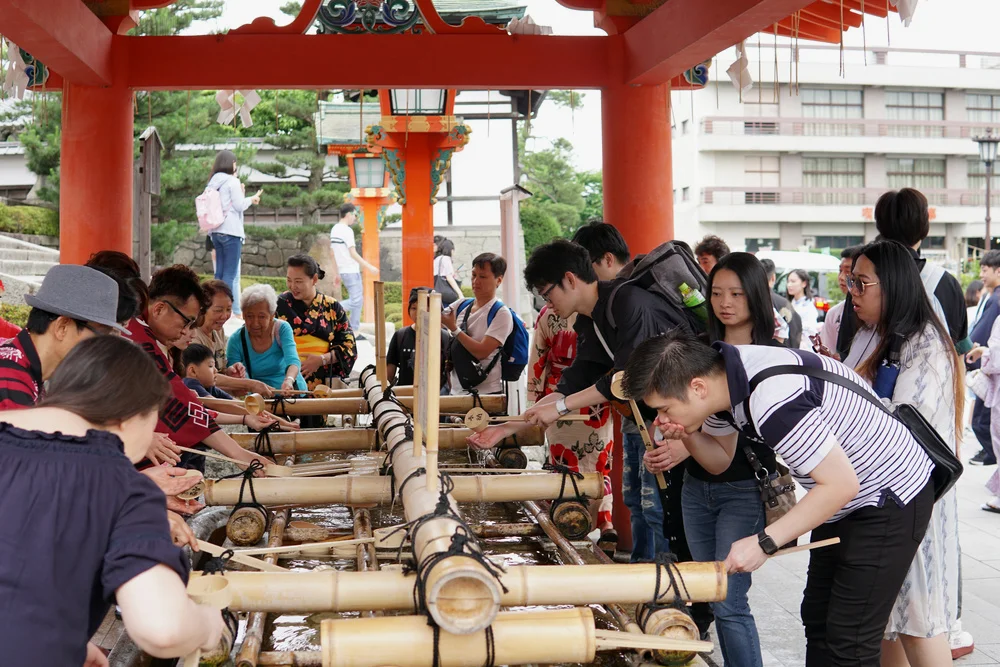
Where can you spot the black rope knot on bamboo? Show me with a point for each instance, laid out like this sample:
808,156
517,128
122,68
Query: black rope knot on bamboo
247,482
280,404
394,493
217,564
262,442
491,649
567,474
666,563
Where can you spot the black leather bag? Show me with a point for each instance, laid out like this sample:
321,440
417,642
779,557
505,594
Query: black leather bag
947,466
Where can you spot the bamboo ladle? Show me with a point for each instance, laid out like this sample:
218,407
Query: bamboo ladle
618,391
270,469
478,419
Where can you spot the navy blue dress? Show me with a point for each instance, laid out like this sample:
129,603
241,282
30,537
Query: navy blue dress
76,522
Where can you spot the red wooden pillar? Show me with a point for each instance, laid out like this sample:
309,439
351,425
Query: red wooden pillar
418,215
95,193
638,200
370,207
638,183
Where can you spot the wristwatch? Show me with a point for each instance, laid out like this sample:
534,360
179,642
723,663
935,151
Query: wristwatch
767,545
561,407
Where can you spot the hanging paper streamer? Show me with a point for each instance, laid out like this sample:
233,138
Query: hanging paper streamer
739,72
906,9
233,103
16,79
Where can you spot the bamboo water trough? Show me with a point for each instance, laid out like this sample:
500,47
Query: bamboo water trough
298,407
360,439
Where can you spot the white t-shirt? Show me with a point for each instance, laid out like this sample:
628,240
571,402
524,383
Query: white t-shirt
831,326
443,266
341,242
502,326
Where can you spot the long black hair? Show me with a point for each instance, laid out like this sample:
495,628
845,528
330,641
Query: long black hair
906,311
753,278
803,275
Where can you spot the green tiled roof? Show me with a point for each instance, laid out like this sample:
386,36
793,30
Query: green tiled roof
491,11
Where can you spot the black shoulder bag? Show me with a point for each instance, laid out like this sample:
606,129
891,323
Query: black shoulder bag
947,466
470,371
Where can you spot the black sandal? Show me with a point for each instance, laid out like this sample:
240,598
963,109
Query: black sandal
608,542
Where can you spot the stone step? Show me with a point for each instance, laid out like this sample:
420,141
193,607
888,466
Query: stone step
18,267
16,287
23,254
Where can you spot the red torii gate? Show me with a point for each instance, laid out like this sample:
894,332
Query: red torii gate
649,47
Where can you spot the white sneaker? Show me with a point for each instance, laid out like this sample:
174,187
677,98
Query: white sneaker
961,642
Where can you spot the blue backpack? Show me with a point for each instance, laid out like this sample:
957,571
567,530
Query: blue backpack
514,351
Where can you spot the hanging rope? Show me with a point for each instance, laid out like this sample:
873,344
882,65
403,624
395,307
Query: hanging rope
262,443
567,474
666,564
776,85
842,68
864,37
247,482
888,13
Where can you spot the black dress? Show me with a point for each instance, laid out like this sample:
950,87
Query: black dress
76,522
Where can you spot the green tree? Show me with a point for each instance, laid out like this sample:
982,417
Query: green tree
177,17
538,225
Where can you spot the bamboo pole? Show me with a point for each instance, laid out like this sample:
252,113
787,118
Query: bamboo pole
249,561
380,344
419,368
363,490
432,391
544,637
366,558
527,585
304,531
250,650
492,403
291,659
359,439
269,468
461,594
619,392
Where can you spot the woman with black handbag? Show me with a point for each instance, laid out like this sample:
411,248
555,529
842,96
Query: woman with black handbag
445,281
912,361
721,509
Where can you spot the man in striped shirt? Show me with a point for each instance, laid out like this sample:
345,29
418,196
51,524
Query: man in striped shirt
868,480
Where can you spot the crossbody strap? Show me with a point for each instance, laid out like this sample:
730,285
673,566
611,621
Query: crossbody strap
604,343
246,352
819,374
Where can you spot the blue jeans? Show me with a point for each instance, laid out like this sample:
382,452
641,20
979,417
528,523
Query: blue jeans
716,514
355,298
228,252
642,497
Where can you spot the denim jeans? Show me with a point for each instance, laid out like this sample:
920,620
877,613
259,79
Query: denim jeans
642,497
716,514
355,298
228,253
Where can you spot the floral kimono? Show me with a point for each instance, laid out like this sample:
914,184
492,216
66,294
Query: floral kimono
320,327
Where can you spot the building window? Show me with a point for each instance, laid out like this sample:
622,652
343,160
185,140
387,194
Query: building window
839,242
834,173
977,185
910,105
685,194
762,176
983,107
933,243
832,104
919,173
755,245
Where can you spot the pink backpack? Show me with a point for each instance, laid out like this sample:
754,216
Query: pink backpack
208,207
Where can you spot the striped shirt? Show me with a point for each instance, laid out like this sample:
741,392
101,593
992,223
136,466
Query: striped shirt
20,373
803,418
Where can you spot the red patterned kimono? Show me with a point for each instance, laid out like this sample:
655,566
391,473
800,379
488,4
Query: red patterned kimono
184,418
582,446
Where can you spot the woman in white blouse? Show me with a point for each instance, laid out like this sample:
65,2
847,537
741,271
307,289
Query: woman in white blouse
801,296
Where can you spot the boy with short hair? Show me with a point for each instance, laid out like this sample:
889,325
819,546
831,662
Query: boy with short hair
198,363
403,347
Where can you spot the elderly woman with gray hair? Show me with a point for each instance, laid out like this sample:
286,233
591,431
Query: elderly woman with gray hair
265,345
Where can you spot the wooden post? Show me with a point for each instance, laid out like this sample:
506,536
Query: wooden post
148,173
380,343
418,378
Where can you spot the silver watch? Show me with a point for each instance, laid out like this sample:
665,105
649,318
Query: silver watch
561,407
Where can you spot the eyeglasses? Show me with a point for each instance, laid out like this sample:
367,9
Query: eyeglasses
102,331
856,286
545,295
188,321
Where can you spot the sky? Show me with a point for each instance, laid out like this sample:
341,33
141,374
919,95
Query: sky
972,25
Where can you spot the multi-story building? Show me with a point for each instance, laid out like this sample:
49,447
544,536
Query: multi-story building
801,164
